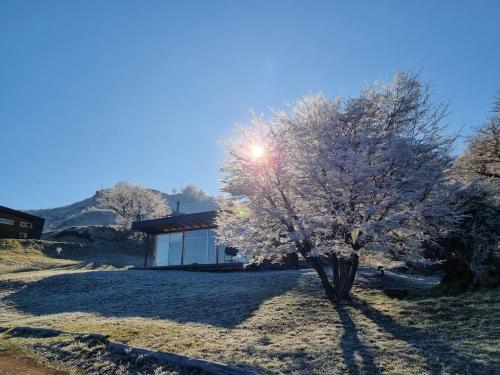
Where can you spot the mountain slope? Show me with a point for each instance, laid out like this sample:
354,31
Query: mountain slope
90,212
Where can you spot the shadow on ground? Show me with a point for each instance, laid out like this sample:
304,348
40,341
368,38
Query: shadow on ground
219,299
351,344
91,253
437,350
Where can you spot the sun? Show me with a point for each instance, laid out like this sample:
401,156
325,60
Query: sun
257,151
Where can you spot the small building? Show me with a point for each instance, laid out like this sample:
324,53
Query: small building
188,241
183,240
19,224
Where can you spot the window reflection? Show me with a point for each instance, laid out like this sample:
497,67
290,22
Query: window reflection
193,247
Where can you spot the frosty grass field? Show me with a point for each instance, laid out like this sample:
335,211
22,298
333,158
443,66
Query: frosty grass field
270,322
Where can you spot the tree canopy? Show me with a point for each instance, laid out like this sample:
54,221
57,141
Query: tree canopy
334,176
133,202
481,160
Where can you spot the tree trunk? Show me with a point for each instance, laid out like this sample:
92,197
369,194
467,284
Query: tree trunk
335,269
318,267
344,273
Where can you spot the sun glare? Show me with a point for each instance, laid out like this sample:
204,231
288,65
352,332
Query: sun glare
257,151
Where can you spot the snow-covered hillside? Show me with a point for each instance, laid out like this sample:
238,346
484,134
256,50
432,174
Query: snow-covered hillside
90,212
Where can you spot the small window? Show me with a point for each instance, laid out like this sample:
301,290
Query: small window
23,235
25,224
6,221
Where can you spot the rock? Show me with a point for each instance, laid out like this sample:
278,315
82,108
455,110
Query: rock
33,332
93,339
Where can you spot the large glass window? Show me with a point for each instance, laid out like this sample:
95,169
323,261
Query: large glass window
221,254
199,248
169,249
175,249
229,255
195,247
212,248
162,245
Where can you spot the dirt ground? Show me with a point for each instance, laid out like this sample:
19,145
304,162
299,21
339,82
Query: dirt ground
11,364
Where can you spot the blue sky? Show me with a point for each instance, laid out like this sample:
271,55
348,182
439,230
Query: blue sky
93,92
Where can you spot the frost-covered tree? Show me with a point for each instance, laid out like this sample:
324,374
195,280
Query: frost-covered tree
328,178
133,202
481,160
471,250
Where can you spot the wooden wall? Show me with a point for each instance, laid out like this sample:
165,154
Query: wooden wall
13,231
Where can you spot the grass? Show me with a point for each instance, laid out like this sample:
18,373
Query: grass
18,256
36,255
72,355
272,322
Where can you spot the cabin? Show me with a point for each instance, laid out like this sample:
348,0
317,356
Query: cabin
19,224
187,241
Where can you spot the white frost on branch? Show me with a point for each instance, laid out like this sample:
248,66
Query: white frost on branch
133,202
339,175
481,160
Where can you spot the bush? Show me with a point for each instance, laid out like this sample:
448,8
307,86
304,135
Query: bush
471,251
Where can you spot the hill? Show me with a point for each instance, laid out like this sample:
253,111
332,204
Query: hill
76,248
90,212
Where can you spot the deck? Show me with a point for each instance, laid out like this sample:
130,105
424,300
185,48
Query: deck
224,267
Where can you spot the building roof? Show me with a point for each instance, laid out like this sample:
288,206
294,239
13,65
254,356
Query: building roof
177,223
20,213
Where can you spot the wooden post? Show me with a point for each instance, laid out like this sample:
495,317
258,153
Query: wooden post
147,251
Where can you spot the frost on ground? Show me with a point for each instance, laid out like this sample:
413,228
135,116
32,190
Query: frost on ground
96,358
270,322
34,255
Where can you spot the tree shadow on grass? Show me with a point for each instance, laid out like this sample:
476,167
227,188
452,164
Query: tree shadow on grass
219,299
438,354
351,344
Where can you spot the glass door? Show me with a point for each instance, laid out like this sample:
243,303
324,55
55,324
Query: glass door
175,249
162,245
195,247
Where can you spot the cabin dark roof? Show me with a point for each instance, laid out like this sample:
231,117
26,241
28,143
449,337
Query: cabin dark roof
176,223
20,213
